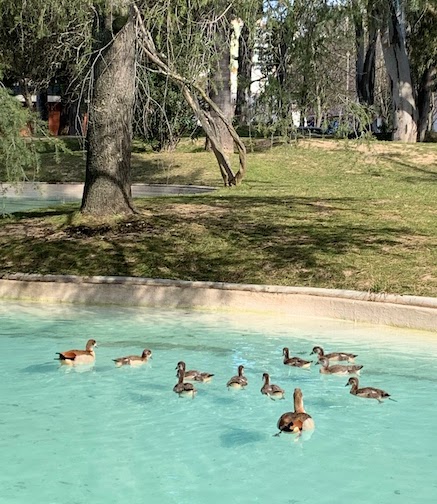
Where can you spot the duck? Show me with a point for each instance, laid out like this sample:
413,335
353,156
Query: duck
184,389
367,392
239,381
204,377
134,360
294,361
271,390
337,369
74,357
193,374
298,420
334,356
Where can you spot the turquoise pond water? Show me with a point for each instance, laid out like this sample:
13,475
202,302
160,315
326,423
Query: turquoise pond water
115,435
10,205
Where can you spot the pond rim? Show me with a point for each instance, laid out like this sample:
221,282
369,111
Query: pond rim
412,312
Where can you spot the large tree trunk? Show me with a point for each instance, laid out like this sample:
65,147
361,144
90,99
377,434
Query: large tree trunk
108,173
424,100
366,57
221,91
245,56
398,69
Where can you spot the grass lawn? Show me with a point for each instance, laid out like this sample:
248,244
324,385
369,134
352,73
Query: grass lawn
319,213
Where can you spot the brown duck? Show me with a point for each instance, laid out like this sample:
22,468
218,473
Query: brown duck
271,390
367,392
337,369
294,361
334,356
193,374
74,357
184,389
297,420
239,381
134,360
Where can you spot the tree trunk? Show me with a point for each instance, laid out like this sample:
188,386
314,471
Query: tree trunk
424,97
221,92
109,135
398,68
319,113
245,55
366,57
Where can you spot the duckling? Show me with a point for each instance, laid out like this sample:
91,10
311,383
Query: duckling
134,360
337,369
294,361
297,420
334,356
189,375
367,392
193,374
184,389
239,381
271,390
74,357
204,377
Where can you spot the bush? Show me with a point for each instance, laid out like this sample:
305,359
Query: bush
19,152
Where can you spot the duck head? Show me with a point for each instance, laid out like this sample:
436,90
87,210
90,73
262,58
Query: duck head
352,381
90,345
266,377
240,370
285,352
317,350
146,353
181,365
323,361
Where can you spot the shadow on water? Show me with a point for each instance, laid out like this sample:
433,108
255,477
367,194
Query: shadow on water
218,351
224,399
412,377
42,368
142,398
239,437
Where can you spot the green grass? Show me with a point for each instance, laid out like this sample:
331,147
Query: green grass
324,214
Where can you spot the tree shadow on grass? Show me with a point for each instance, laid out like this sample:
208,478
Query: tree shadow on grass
307,242
233,239
42,213
413,173
164,171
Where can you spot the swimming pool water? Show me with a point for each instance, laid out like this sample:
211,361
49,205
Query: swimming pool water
112,435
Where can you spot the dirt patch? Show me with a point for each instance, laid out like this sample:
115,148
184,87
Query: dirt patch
26,229
375,148
322,144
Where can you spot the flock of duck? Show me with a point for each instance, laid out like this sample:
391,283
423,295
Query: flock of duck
293,421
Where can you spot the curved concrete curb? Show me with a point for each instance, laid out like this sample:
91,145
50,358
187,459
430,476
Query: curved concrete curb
404,311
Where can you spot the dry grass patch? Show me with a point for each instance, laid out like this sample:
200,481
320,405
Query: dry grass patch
190,211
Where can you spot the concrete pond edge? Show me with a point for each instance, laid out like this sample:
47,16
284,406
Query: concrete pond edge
412,312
